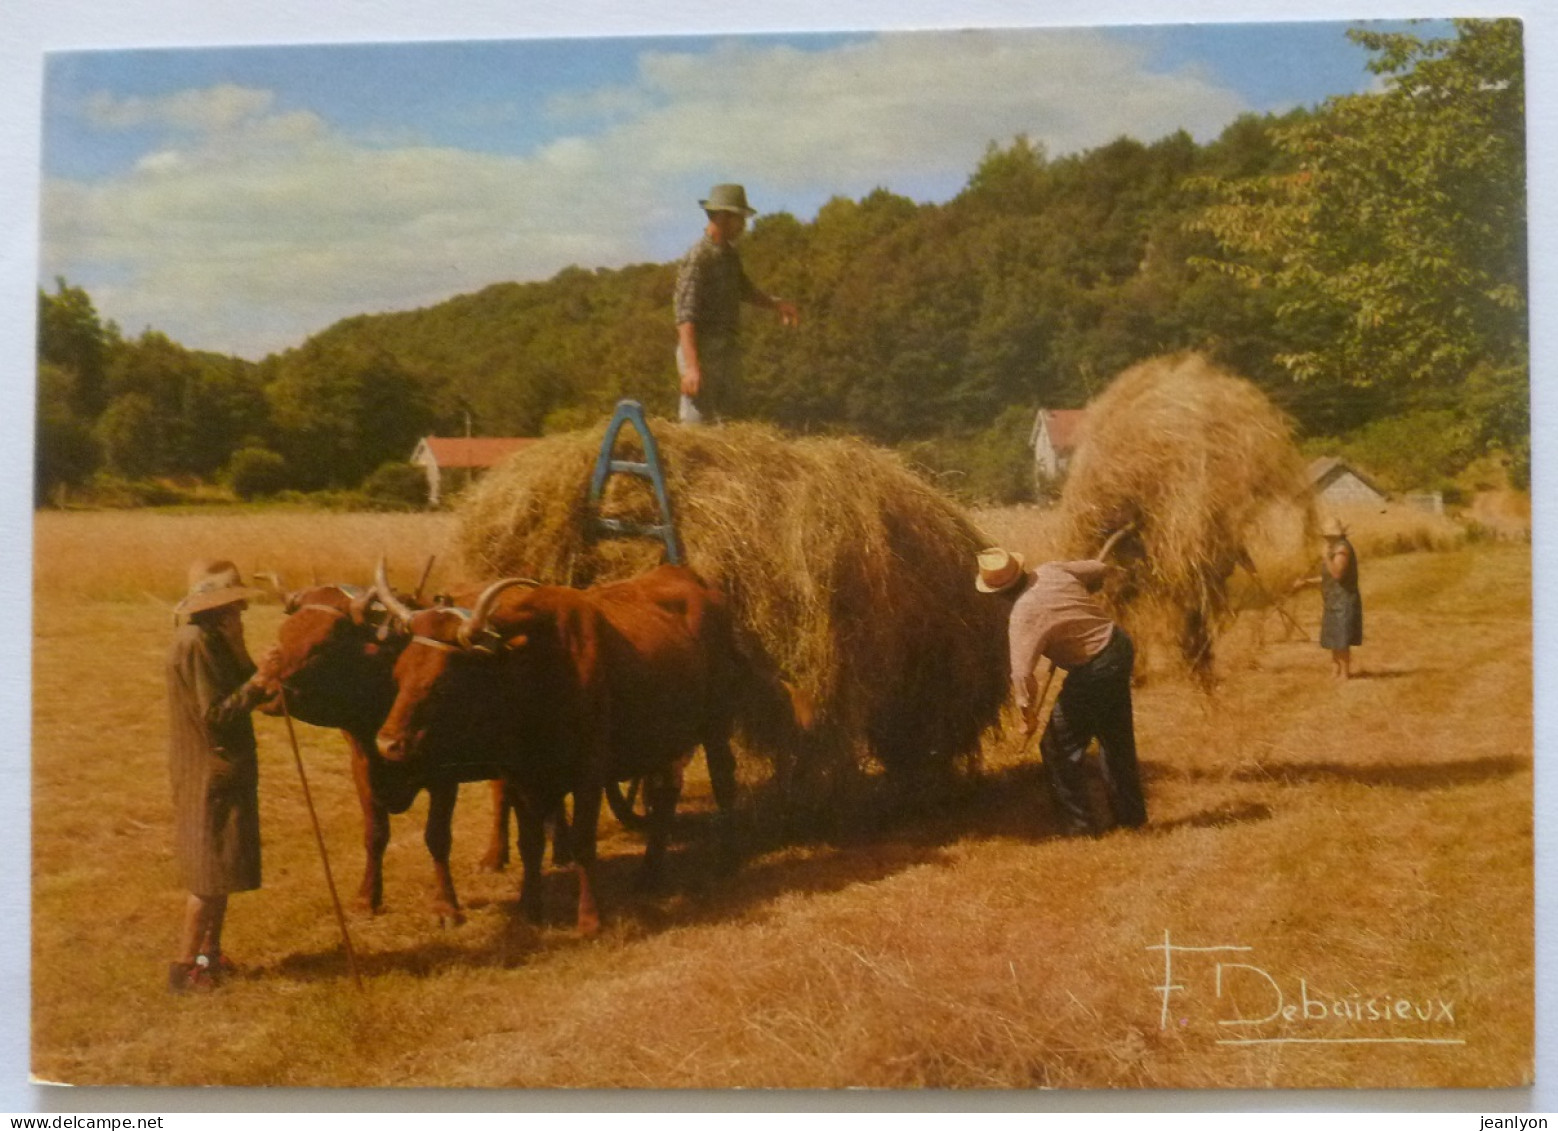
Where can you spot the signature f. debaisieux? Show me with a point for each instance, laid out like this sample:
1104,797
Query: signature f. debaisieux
1252,1005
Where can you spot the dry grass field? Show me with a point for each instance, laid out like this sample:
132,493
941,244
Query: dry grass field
1365,844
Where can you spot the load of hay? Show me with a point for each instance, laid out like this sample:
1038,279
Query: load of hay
849,576
1204,468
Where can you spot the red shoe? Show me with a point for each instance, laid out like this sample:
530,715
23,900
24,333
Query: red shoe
189,977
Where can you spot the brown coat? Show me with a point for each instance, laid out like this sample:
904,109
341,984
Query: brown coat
213,766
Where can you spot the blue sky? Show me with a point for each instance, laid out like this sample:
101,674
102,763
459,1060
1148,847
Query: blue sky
241,198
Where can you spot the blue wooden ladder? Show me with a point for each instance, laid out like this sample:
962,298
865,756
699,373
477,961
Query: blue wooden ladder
606,465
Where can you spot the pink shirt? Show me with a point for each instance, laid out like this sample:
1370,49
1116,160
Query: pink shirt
1057,616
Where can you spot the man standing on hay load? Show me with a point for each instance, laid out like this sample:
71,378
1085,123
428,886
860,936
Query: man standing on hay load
1054,613
212,761
710,288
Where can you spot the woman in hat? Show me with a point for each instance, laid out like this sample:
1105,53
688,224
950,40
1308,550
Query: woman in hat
1053,611
212,764
1341,618
711,285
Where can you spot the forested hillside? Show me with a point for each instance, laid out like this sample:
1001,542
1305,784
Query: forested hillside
1363,261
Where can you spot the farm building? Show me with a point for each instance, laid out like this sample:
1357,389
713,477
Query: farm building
1336,483
451,462
1053,439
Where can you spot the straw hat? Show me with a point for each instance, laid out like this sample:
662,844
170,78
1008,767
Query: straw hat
213,584
998,569
1334,528
728,198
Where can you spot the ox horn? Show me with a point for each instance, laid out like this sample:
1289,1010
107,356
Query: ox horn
289,601
478,621
358,606
381,589
272,578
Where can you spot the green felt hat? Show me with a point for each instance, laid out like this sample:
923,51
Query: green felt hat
728,198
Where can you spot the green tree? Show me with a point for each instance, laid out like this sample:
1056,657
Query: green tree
204,404
1394,240
340,410
66,453
71,336
1412,452
1011,180
253,472
396,485
131,434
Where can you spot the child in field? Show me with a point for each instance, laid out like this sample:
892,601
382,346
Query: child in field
213,766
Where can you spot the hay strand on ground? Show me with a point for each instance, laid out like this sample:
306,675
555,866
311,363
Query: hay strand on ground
1205,467
849,575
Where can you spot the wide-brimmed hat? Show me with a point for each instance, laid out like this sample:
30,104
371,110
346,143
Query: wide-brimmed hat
1334,528
998,569
728,198
213,584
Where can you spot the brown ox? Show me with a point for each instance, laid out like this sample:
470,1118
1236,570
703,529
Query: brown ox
561,691
336,662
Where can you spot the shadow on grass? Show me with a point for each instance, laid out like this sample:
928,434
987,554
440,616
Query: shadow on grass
877,829
1409,775
881,829
1390,673
1214,818
1399,775
871,829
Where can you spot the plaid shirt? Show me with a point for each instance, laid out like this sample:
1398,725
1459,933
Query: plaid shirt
710,288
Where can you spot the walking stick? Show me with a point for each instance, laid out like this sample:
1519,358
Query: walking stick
340,916
427,569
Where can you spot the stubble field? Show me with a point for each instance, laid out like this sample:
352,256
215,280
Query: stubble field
1361,852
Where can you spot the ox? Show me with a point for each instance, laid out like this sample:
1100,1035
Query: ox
335,667
563,691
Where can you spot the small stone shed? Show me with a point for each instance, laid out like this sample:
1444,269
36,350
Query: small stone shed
1337,483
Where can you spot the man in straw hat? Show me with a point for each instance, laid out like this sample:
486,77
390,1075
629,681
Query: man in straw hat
213,765
710,288
1341,618
1053,612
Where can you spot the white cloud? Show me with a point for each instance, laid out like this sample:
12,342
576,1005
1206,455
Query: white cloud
163,160
905,105
214,108
252,228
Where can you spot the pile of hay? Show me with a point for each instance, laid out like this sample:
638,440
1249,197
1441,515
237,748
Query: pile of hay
1205,468
849,576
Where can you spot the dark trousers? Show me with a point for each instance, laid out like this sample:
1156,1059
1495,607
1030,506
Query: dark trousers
1095,702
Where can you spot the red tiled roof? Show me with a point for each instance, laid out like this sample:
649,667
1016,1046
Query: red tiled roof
473,451
1063,426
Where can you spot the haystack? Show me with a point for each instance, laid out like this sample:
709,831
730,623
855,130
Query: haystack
1205,468
849,576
